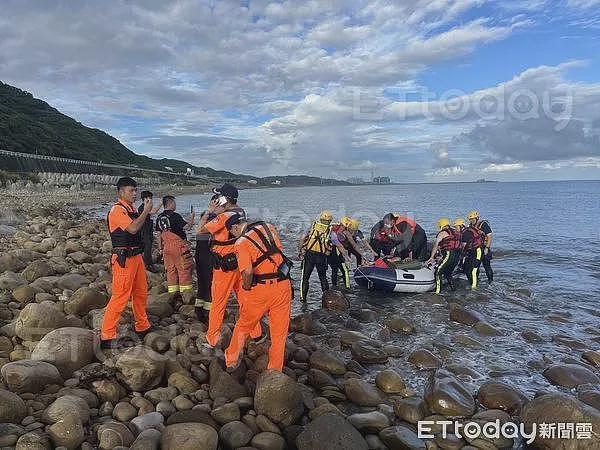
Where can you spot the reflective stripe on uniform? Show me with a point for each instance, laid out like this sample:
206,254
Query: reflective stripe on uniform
475,270
172,289
438,274
185,288
346,275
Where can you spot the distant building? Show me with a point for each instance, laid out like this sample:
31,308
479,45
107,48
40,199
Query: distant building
252,182
381,180
277,182
189,172
355,180
170,169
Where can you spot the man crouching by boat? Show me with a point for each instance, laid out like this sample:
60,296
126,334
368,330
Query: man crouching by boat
179,263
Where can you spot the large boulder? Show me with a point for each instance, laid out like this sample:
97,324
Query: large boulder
463,315
37,269
570,375
30,376
84,300
278,397
67,432
332,432
335,300
368,352
390,382
498,395
402,437
448,396
327,362
141,368
114,434
425,360
362,393
38,319
72,281
69,349
24,294
34,440
189,436
67,404
561,408
223,385
12,408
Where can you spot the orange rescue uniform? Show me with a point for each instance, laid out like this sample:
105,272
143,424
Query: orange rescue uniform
224,281
272,297
128,282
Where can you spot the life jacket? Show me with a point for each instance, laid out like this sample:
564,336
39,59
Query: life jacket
382,235
478,238
319,239
451,242
339,231
231,238
409,222
122,238
259,234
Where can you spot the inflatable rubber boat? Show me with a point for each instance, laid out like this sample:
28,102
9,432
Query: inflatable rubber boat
409,278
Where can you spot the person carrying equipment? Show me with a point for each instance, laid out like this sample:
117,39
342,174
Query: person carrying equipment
472,251
447,245
147,231
204,269
179,263
339,259
226,277
266,288
314,248
408,237
482,225
128,270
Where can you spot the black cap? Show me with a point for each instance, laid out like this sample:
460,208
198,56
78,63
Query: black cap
236,218
227,190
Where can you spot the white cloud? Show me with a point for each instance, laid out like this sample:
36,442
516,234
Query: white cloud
499,168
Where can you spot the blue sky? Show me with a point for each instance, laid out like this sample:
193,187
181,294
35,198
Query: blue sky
425,90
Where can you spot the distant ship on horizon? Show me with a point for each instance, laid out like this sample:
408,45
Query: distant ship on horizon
483,180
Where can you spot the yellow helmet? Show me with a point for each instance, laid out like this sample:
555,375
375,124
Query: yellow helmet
326,216
345,221
354,224
443,223
473,215
459,222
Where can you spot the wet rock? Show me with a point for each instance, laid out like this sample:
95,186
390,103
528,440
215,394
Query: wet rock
68,432
141,368
318,379
592,357
229,412
467,341
498,395
306,324
531,337
184,383
335,300
401,437
561,408
490,416
162,394
147,421
65,405
368,352
147,440
362,393
268,441
364,315
570,375
485,329
447,396
347,338
37,319
591,398
400,325
84,300
390,382
327,362
182,403
464,316
332,429
189,436
192,416
223,385
371,422
72,281
37,269
124,412
12,408
569,342
424,360
326,408
264,424
34,440
114,434
69,349
278,397
411,410
30,376
235,434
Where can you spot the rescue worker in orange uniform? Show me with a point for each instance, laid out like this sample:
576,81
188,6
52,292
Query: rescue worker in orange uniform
447,246
129,280
179,263
226,277
266,288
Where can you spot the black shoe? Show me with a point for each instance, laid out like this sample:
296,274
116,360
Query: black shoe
143,334
110,344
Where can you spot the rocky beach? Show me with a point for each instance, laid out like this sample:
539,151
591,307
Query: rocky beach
339,389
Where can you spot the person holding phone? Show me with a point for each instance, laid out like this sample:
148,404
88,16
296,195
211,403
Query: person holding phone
226,277
204,268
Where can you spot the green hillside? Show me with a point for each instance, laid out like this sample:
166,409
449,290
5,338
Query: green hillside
30,125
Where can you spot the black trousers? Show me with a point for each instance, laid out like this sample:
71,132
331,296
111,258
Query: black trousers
338,264
357,254
445,269
204,270
486,260
381,248
471,265
148,240
311,261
